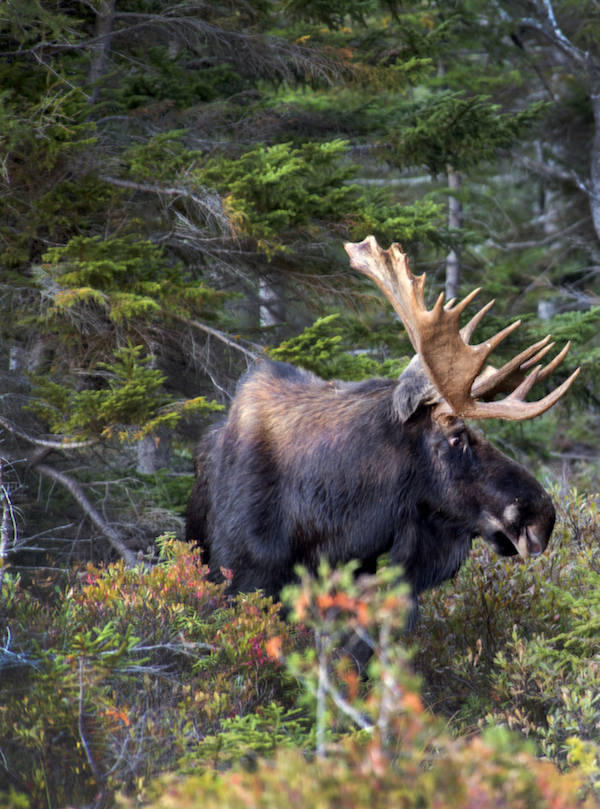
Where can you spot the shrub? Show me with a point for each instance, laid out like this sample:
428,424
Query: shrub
516,644
400,756
127,672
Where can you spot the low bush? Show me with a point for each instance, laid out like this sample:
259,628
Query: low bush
126,673
392,752
149,686
516,644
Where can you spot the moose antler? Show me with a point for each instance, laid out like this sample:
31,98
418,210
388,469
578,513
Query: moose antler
452,364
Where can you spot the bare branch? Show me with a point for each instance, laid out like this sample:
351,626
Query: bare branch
253,355
45,442
554,173
541,242
207,204
93,515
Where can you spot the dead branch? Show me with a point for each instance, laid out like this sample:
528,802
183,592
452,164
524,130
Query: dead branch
91,513
196,324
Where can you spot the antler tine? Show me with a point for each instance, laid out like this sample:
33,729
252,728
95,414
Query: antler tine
510,375
467,331
513,408
552,366
451,363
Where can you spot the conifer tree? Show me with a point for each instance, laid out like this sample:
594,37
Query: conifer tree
170,169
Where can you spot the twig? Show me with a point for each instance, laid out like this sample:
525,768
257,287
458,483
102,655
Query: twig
321,697
4,532
541,242
554,173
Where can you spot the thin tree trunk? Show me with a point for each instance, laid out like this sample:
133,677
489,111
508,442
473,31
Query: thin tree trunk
595,166
5,506
455,221
101,50
272,306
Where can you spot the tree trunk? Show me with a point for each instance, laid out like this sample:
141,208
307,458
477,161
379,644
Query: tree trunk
455,220
101,50
153,453
595,165
272,306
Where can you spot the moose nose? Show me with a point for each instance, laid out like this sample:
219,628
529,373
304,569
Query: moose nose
532,540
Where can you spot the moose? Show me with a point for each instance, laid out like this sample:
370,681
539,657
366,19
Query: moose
304,468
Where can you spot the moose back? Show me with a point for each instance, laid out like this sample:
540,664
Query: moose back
303,468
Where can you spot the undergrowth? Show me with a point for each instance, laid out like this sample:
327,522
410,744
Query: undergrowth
149,686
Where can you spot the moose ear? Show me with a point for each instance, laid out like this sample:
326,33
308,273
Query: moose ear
414,389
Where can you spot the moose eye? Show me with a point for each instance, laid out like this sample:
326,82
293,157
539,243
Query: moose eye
456,441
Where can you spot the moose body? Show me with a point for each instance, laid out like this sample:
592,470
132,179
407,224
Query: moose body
304,469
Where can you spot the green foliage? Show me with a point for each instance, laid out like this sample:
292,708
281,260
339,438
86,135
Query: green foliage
333,14
487,773
319,349
159,157
128,277
133,399
275,194
271,188
127,674
244,739
111,285
163,78
453,130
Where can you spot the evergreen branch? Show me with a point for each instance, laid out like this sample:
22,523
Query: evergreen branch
92,513
273,51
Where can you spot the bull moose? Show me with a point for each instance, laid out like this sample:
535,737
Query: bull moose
303,468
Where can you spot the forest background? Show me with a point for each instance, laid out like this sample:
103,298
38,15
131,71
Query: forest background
178,180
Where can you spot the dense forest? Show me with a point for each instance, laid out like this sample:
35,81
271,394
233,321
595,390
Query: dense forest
177,183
